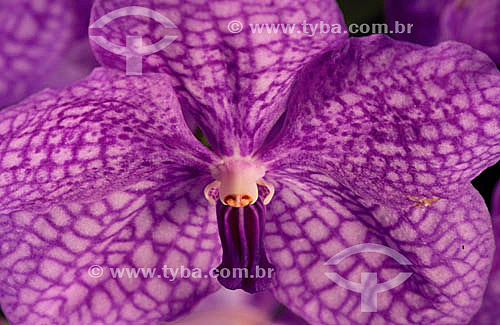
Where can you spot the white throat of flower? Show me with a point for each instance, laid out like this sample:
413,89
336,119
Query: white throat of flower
237,180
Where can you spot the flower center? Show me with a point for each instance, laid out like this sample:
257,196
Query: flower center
237,183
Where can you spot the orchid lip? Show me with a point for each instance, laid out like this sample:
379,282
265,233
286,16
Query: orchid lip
241,233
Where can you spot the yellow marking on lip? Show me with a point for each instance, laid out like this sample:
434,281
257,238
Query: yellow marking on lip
238,201
423,201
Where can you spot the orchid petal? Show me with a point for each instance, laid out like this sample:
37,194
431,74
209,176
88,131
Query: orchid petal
472,22
105,172
449,245
489,312
234,84
395,122
104,132
61,265
38,44
475,23
424,16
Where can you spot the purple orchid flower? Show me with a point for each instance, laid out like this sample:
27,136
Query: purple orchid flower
377,143
473,22
489,312
43,44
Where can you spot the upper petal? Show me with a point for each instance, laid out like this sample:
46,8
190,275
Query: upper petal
312,218
102,133
396,122
234,84
474,22
424,16
37,40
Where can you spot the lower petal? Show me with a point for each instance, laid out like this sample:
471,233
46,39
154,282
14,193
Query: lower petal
61,265
312,218
489,312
